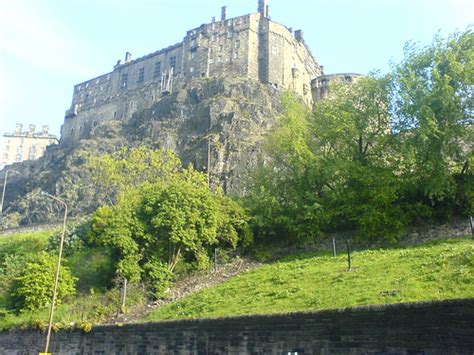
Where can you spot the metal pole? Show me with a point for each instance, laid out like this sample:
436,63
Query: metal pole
334,247
215,259
58,267
209,162
349,260
471,220
5,187
124,294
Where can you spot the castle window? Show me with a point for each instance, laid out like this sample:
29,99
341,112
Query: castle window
229,34
219,59
193,53
108,77
193,43
141,75
236,55
214,37
237,44
157,71
191,69
87,85
173,62
97,81
221,47
124,81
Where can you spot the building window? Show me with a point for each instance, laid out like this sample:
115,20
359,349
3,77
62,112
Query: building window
191,69
173,62
214,37
124,81
219,59
229,34
193,54
221,47
157,71
141,75
237,44
236,55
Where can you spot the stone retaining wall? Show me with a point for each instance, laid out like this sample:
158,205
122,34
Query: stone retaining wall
445,327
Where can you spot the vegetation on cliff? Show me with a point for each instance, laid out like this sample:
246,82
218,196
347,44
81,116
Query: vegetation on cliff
376,155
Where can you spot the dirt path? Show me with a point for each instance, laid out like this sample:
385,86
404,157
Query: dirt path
190,285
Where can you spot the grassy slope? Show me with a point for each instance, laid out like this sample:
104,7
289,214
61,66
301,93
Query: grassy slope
308,282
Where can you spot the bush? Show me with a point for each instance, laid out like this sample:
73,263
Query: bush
33,288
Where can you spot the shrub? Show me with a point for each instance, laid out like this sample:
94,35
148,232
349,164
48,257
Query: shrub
33,288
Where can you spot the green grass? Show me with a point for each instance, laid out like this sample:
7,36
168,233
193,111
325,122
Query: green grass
310,282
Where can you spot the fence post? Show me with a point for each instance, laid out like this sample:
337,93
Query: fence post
349,259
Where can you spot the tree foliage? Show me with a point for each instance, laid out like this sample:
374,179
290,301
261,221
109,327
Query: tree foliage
166,218
433,95
32,289
375,154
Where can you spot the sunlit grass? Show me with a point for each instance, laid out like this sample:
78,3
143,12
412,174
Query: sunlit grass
310,282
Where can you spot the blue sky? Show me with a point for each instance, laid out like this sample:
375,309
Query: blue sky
47,46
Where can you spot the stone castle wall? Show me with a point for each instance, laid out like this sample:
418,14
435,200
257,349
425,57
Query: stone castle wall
426,328
250,46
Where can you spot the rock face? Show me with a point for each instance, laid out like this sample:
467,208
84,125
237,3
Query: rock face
215,122
220,123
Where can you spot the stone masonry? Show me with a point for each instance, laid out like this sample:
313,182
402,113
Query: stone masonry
250,46
433,328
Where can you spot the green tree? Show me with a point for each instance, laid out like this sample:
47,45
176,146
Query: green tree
432,90
353,137
180,219
32,289
163,217
284,190
127,168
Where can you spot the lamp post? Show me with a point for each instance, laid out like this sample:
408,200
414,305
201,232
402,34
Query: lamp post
58,267
5,187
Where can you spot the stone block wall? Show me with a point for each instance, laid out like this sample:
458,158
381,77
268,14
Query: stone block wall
426,328
250,46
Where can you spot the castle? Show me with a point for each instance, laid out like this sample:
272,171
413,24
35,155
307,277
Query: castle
250,46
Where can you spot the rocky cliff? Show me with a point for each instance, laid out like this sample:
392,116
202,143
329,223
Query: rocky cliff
218,124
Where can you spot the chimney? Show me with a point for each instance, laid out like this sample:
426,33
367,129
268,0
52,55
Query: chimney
299,35
128,57
223,13
263,8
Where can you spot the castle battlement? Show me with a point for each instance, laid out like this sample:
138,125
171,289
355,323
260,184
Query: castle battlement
251,46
